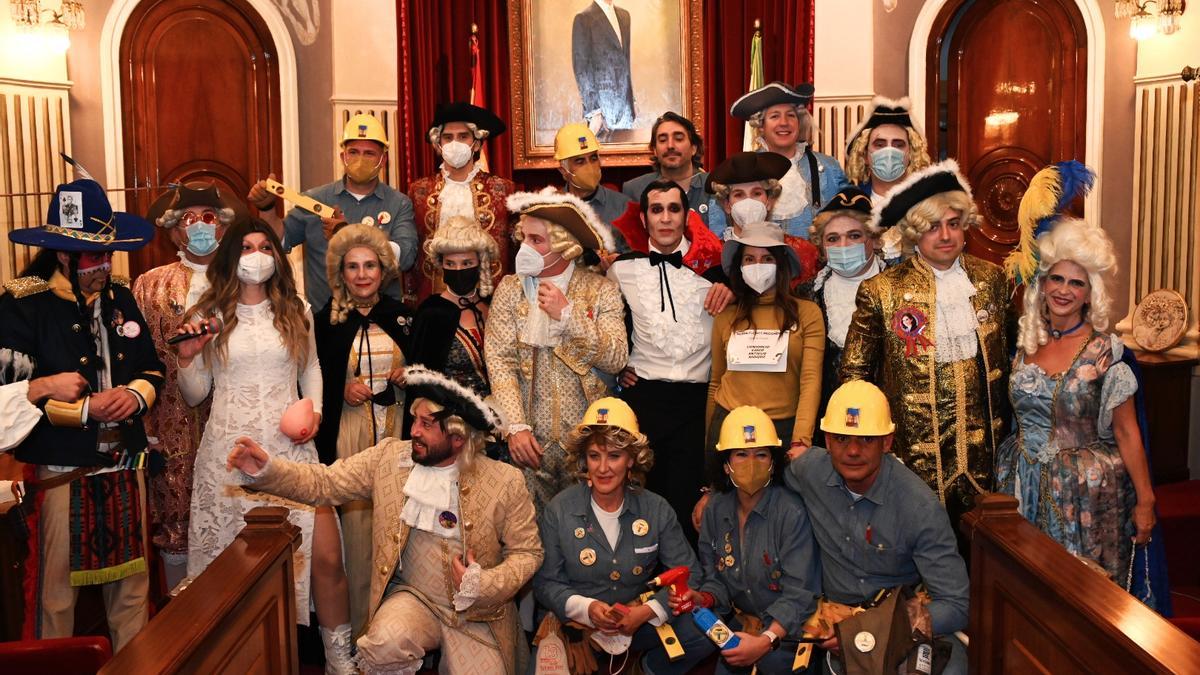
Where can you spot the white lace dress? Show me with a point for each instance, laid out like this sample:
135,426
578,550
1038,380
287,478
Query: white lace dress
251,389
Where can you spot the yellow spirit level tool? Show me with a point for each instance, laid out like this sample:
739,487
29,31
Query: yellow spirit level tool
303,201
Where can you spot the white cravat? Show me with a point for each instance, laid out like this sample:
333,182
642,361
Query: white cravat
540,330
954,337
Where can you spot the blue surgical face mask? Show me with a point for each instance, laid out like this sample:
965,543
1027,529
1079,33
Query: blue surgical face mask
202,238
888,164
847,260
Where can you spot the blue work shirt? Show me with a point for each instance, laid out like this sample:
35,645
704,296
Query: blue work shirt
896,534
610,205
302,227
697,197
579,560
775,574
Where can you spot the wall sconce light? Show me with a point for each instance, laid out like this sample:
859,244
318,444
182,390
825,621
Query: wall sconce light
44,28
1144,24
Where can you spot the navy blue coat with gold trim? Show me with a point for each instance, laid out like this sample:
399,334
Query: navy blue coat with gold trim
41,328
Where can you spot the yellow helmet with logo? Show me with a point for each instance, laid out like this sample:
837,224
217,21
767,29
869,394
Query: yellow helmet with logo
747,427
610,412
573,140
858,408
364,127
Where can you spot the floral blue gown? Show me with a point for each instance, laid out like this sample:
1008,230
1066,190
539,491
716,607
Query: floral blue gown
1062,462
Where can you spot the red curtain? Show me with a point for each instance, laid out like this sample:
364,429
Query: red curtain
787,29
435,67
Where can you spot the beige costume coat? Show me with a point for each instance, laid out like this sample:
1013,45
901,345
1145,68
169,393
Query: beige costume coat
497,524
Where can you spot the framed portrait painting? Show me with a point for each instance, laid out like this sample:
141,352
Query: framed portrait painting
616,65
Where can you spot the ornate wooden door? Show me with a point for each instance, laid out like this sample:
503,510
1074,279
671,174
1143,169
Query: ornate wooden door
200,101
1006,96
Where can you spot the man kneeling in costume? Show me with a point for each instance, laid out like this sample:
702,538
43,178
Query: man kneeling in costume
455,535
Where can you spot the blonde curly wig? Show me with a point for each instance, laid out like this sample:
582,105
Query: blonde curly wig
921,218
721,190
435,133
858,163
816,233
460,234
806,126
1085,245
349,237
606,436
561,240
474,441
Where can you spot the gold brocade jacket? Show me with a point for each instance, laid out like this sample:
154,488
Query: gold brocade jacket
161,294
949,416
549,389
497,523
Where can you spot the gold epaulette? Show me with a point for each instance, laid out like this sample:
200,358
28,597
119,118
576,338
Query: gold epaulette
25,286
120,280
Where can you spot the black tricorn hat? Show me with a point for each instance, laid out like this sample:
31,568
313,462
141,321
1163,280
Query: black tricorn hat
460,111
849,199
454,398
886,111
933,180
769,95
748,167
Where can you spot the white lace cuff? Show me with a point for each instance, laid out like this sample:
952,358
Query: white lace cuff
468,590
518,428
18,416
557,328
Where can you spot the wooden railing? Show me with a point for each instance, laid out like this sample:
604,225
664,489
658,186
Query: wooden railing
239,616
1035,608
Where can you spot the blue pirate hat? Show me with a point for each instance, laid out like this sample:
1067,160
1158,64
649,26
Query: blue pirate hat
81,219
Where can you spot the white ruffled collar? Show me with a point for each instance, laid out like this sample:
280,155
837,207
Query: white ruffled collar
193,266
465,181
432,499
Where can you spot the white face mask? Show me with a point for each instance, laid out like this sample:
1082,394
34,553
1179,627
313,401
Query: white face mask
456,154
759,276
748,211
255,268
613,644
528,262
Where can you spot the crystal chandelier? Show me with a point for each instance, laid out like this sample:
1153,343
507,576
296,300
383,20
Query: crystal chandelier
1169,14
1143,23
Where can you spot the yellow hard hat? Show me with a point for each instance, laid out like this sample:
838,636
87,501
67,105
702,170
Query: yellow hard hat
364,127
858,408
747,427
573,140
611,412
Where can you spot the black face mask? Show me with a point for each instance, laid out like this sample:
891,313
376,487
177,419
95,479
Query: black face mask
461,282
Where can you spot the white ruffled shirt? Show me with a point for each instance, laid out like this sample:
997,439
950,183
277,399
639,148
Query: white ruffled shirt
796,194
432,500
674,349
840,293
455,198
955,336
198,283
540,330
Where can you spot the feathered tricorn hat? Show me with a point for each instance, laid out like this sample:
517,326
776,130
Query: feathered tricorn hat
1049,194
454,398
567,210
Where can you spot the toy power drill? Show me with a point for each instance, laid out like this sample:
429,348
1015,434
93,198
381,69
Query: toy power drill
716,630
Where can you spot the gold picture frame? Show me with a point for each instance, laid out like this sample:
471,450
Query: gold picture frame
547,87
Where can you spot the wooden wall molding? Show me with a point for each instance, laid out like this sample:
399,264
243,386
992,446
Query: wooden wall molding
834,118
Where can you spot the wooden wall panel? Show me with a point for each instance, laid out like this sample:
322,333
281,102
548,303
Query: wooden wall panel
34,128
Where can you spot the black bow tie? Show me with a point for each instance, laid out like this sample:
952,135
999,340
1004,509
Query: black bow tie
675,259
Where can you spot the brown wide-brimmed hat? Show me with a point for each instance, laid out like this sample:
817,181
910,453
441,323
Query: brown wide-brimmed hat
164,211
748,167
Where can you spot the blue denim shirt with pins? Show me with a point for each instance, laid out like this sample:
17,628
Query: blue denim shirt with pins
569,528
775,573
895,534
